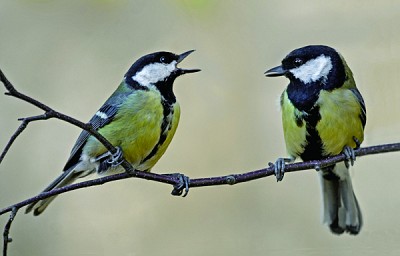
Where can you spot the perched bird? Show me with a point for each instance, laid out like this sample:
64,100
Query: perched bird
140,118
323,114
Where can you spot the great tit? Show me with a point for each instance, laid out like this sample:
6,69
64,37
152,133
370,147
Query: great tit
323,114
140,118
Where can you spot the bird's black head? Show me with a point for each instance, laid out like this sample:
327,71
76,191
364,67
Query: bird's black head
157,69
312,64
310,69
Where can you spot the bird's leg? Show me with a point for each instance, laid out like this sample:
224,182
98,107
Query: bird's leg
358,143
102,156
115,159
112,160
182,184
109,160
279,167
350,156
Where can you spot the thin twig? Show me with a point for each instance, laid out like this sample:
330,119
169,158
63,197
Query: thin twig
210,181
51,113
131,173
20,129
6,238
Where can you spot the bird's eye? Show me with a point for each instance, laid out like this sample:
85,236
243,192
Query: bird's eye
163,59
298,62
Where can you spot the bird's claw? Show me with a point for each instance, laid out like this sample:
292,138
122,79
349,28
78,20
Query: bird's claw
115,159
181,185
350,156
279,168
109,159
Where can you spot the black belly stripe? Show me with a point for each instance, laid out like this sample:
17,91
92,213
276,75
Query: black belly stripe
165,127
313,148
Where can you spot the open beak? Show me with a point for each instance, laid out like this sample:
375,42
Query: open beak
182,57
276,71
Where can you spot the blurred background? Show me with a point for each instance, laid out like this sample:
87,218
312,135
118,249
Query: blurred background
72,54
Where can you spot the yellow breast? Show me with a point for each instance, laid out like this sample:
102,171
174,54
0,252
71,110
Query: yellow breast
340,120
293,131
136,129
173,124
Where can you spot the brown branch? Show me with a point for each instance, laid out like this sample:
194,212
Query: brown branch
51,113
6,232
131,173
210,181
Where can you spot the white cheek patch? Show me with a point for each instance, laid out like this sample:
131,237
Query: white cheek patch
313,70
154,73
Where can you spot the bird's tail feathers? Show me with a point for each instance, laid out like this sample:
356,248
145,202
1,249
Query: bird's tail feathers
341,210
66,178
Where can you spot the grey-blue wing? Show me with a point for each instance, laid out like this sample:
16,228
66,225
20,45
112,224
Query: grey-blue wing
363,115
102,117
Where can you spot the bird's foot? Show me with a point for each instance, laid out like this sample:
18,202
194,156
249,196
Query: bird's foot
116,158
350,156
279,167
181,185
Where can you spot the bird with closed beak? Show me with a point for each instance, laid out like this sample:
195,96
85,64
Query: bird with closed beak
323,114
139,119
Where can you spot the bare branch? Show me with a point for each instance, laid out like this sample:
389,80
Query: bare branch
99,181
20,129
210,181
6,232
200,182
131,173
51,113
